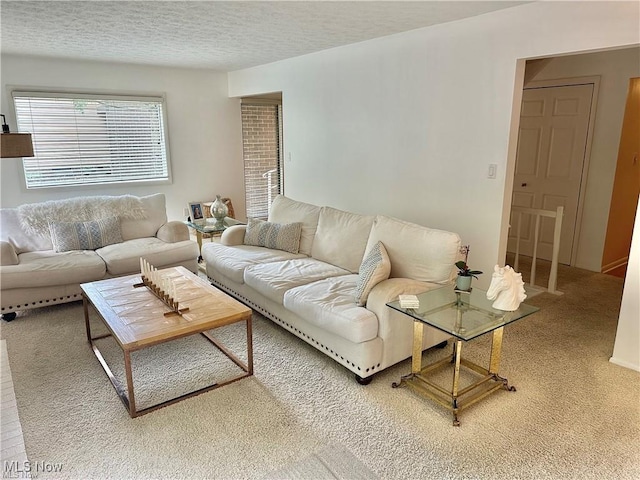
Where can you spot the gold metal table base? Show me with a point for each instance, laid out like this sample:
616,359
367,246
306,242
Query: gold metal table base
457,398
127,395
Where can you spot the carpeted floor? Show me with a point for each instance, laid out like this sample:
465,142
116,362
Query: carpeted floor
574,415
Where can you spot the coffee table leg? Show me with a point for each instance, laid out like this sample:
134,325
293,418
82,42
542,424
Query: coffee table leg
132,401
85,307
128,397
130,406
249,347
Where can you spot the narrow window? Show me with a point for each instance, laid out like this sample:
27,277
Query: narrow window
262,153
81,139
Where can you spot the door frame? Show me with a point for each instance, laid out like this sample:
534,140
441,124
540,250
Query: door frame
568,82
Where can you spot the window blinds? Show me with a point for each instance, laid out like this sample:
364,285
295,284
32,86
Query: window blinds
92,139
262,152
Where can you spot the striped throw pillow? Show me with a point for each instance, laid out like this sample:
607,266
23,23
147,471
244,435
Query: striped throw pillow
375,268
278,236
85,235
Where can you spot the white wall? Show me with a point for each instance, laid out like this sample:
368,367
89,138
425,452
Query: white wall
406,125
615,68
204,128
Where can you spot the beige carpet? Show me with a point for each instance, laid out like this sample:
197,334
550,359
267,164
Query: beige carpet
574,415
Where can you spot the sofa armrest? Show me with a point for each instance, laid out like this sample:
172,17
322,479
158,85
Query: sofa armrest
8,255
233,235
172,232
388,291
396,328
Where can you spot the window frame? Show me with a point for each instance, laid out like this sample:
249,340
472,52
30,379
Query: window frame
43,92
273,101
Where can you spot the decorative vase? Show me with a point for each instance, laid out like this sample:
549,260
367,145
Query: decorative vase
463,282
219,211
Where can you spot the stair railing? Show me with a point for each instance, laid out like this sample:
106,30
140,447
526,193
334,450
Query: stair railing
268,175
538,213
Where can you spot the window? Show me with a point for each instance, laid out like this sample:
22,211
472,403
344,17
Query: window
92,139
262,153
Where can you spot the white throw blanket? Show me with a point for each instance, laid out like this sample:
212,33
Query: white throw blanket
35,217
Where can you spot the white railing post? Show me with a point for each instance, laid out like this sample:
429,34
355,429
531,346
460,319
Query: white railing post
516,262
534,260
553,273
268,176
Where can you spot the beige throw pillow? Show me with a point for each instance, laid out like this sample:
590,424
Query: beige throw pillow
278,236
85,235
375,268
285,210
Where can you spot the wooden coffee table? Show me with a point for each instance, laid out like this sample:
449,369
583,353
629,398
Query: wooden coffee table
137,319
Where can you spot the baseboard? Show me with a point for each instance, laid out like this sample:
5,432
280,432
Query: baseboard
625,364
613,265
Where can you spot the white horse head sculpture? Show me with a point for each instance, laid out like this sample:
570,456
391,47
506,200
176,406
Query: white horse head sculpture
507,289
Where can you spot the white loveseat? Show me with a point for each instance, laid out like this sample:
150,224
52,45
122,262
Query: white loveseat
311,293
34,274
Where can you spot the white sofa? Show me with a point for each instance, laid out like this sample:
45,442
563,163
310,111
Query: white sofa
34,274
311,293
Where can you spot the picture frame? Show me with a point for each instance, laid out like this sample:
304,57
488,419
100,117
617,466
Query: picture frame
196,211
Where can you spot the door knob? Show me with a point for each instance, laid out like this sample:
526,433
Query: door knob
523,185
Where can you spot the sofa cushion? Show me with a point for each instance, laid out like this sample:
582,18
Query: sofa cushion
8,254
231,261
278,236
47,268
286,210
124,258
273,279
415,251
375,268
341,238
91,235
153,210
11,231
155,215
328,304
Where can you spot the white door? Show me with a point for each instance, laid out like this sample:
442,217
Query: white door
554,123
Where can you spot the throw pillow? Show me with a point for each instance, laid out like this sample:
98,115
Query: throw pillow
279,236
85,235
375,268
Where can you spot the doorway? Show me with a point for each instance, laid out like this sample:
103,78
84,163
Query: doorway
626,188
554,139
612,70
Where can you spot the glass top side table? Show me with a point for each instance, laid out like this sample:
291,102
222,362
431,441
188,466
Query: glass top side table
464,315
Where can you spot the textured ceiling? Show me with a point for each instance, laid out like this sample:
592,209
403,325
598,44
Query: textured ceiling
221,35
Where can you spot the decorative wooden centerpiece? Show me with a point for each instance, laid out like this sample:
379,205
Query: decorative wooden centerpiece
163,288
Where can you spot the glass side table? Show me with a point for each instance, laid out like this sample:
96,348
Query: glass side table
464,315
210,225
